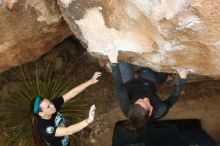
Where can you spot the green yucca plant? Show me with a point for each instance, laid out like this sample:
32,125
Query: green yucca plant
15,112
2,83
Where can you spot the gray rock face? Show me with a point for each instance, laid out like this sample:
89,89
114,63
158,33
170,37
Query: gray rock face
29,28
163,35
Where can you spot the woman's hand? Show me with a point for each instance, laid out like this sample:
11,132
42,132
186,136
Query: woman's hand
94,78
91,117
183,73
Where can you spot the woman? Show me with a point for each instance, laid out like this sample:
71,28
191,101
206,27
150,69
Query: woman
49,124
137,95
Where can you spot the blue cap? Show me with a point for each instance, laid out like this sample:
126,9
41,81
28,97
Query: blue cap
37,104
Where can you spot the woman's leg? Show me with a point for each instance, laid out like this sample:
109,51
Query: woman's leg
148,74
155,77
127,71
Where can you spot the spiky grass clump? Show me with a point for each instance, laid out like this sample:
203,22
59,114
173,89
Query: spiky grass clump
15,112
2,82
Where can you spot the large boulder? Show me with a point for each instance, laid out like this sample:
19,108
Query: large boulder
163,35
29,28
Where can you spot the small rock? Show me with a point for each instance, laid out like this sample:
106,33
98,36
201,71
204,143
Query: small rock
191,102
95,132
183,93
101,133
92,140
202,90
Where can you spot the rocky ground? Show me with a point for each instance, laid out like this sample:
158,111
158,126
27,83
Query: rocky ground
199,100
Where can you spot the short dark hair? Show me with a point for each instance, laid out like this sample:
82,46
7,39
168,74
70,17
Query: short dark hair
137,117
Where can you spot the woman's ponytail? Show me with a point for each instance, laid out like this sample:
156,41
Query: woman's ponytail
137,117
34,119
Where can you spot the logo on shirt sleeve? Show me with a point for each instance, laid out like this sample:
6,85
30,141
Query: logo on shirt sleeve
50,129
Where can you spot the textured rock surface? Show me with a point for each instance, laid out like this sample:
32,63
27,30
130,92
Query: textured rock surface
163,35
28,29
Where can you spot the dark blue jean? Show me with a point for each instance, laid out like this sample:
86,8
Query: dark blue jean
128,71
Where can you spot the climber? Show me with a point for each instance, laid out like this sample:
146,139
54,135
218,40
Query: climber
49,123
136,92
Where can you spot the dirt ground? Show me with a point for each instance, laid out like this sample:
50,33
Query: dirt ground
199,100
